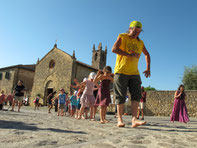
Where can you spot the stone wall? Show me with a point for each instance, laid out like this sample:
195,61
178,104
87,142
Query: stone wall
160,103
7,84
27,77
83,72
59,76
16,74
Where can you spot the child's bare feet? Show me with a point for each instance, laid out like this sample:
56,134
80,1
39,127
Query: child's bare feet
102,122
136,123
106,121
120,124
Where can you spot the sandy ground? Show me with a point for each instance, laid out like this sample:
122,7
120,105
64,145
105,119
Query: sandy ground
31,128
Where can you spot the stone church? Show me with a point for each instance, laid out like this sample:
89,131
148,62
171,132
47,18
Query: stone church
57,69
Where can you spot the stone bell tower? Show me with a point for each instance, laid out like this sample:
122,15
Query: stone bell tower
99,57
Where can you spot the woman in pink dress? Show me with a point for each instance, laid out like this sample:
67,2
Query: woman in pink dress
179,112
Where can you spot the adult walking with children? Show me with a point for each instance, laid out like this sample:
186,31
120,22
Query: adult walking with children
19,91
128,48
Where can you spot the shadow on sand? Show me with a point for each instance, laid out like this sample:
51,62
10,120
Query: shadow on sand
23,126
168,128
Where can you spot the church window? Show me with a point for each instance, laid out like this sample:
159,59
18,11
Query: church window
52,64
103,57
1,75
95,58
7,75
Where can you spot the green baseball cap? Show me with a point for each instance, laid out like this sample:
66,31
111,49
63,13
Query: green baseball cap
136,24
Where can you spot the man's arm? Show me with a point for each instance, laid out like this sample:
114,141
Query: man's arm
147,57
116,49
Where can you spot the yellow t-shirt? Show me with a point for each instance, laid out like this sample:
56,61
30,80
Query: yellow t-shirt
128,65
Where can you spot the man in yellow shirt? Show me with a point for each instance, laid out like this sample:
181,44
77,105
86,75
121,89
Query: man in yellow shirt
128,48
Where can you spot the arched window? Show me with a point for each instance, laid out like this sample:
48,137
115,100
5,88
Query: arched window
52,64
103,57
96,55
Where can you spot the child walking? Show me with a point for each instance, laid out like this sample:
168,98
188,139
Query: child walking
61,102
87,98
50,101
10,99
103,97
73,103
79,94
66,104
36,101
2,99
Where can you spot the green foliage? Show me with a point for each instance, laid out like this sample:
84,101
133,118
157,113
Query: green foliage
190,78
149,88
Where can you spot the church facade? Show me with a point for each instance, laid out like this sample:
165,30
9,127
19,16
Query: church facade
57,69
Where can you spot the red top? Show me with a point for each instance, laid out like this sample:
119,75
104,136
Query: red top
10,98
2,99
143,99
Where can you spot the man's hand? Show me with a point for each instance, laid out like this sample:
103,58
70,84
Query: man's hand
146,73
136,55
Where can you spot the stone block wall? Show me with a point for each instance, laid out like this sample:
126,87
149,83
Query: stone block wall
160,103
7,84
27,77
83,72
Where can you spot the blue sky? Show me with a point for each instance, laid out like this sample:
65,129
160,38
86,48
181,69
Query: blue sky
28,30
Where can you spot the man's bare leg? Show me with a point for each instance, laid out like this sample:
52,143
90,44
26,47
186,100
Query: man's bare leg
13,104
120,108
134,108
19,105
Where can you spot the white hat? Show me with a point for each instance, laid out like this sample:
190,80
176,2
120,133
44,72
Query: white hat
92,75
75,92
84,79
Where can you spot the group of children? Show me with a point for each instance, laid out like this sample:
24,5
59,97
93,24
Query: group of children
5,99
94,91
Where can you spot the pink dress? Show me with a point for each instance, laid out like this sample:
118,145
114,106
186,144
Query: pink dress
87,98
179,112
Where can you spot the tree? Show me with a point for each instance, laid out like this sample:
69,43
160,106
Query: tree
149,88
190,78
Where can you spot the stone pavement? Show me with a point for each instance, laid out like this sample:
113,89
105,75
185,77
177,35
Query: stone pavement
39,129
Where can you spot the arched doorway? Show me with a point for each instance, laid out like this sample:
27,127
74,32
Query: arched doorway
49,88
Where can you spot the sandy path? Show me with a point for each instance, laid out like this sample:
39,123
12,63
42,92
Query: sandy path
39,129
